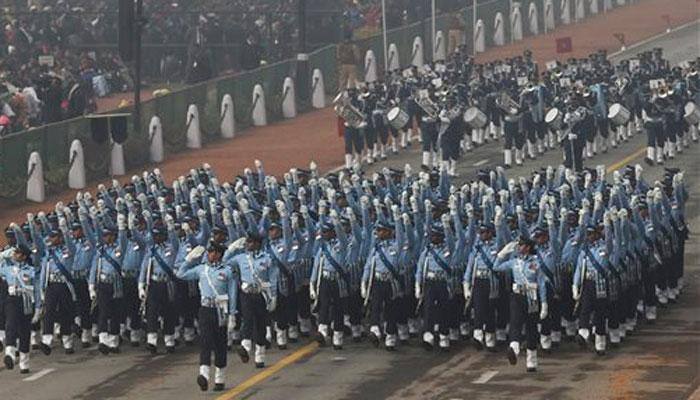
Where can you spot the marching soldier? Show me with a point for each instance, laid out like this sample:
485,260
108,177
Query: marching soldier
527,298
258,296
21,305
156,288
106,285
218,288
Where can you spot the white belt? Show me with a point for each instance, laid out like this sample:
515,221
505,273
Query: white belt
435,275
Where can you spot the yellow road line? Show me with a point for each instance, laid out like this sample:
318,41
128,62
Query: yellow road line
268,372
626,160
313,346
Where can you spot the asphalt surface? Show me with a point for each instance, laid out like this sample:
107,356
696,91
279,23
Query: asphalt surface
660,361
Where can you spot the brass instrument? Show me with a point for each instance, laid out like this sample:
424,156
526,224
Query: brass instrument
507,104
344,109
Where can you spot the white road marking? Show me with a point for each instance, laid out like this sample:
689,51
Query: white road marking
39,374
485,377
480,163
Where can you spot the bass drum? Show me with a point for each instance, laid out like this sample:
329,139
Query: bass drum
397,118
554,119
618,114
475,118
692,113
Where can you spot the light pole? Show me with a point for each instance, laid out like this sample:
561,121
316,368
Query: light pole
386,58
474,19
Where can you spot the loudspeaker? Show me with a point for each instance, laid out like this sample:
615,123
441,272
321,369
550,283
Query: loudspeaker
99,127
126,29
119,129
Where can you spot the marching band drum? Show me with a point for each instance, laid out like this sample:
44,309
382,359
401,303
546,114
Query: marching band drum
397,117
554,119
475,118
618,114
692,113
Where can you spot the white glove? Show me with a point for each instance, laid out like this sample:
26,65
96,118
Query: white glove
467,291
312,291
418,291
142,291
576,294
243,205
519,210
544,311
35,317
363,289
313,166
186,227
265,211
93,292
507,250
195,254
236,245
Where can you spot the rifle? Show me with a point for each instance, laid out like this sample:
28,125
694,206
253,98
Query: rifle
93,303
422,286
370,283
583,278
142,308
318,283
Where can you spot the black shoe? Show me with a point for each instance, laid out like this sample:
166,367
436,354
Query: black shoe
9,363
36,347
203,383
170,349
491,349
177,342
556,344
45,349
427,346
189,343
600,352
103,348
243,354
282,347
321,339
581,341
135,344
24,371
153,349
512,357
374,339
305,334
259,365
293,340
403,341
95,339
444,349
357,339
390,348
532,369
2,346
268,344
477,344
507,166
337,347
115,350
218,387
86,344
70,351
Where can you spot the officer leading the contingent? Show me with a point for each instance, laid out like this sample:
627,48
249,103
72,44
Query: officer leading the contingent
218,289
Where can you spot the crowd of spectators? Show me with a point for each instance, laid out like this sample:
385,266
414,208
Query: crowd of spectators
58,56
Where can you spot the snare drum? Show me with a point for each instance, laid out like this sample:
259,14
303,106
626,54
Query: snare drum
554,119
618,114
692,113
475,118
397,118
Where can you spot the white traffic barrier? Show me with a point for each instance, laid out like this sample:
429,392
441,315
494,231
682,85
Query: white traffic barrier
580,10
607,5
76,166
417,58
479,37
318,90
593,7
228,117
565,8
117,167
194,133
499,37
258,106
289,99
370,67
534,22
155,139
35,179
516,23
393,57
549,23
439,47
